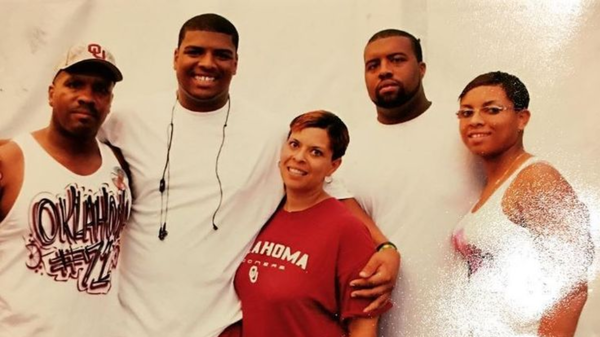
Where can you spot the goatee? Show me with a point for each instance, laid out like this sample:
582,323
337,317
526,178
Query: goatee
396,99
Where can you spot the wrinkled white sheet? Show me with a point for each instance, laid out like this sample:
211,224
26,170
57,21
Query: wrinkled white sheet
302,55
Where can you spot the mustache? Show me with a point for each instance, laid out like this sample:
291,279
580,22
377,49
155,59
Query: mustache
387,82
87,108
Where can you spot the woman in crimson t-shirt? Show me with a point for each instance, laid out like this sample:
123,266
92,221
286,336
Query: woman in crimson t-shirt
295,279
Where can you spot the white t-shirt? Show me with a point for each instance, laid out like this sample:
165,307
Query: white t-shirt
183,286
416,179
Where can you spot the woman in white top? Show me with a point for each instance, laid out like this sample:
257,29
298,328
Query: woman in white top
525,246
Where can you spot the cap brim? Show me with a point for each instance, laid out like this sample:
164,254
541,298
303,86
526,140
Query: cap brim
114,71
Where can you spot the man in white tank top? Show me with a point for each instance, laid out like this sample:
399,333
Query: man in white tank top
64,199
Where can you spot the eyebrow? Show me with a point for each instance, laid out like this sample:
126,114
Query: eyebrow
311,147
386,56
398,53
486,103
221,50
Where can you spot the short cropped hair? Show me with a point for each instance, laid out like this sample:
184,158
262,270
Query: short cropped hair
514,89
335,127
210,23
416,43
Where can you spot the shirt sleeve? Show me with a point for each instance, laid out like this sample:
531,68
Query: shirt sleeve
337,189
355,249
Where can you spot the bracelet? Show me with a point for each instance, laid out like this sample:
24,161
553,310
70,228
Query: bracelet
386,245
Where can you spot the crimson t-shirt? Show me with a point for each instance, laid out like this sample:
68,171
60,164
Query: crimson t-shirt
295,280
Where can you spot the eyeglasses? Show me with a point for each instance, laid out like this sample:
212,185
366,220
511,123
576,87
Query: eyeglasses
490,110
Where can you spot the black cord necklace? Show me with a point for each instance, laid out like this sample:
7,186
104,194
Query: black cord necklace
166,174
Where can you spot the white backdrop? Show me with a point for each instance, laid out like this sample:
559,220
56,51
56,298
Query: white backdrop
302,55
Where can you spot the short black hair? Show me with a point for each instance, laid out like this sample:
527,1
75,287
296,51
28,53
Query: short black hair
514,89
210,22
416,43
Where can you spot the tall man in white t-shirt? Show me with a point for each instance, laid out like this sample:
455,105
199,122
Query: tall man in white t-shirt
205,180
409,171
64,199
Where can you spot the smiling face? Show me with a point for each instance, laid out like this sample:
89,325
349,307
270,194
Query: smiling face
80,101
392,73
488,123
306,159
204,63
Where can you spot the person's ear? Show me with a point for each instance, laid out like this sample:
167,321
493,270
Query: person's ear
175,58
334,166
235,64
50,93
524,116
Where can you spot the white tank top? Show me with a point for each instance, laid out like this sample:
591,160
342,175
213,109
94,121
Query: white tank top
504,293
59,247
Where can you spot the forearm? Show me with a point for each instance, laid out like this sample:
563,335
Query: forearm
562,319
363,327
378,277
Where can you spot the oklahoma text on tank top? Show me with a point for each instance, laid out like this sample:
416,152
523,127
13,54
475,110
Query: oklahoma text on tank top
59,247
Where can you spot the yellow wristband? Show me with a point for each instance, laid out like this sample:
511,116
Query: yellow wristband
386,245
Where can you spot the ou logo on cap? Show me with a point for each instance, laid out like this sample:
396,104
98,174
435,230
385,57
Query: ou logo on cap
97,51
253,274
